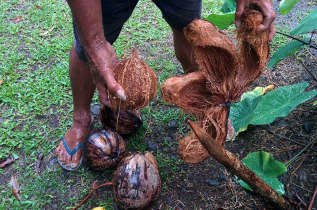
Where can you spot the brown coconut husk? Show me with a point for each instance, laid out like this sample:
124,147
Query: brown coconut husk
187,92
138,81
227,71
191,150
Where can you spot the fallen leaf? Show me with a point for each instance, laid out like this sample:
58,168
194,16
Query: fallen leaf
15,188
46,32
38,162
17,19
4,162
38,7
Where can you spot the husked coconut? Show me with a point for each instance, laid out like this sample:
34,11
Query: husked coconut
124,122
104,148
136,181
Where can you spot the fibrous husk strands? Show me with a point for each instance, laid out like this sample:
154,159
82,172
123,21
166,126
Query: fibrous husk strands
188,92
225,71
138,81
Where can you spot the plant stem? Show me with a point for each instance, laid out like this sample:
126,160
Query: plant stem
288,139
90,194
313,199
300,40
306,68
308,145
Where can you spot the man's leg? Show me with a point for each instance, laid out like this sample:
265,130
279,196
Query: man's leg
83,90
178,14
184,52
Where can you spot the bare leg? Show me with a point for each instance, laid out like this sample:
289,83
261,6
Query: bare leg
83,89
184,52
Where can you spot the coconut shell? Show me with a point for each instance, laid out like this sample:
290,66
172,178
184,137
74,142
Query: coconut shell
128,122
104,148
136,181
138,81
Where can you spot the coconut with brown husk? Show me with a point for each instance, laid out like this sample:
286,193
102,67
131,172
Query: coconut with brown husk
225,71
138,81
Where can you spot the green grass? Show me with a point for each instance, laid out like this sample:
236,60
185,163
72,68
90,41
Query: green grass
35,97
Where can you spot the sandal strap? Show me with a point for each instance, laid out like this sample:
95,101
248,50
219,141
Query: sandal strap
69,151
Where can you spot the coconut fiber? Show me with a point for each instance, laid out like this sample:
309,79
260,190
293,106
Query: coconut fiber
138,81
225,71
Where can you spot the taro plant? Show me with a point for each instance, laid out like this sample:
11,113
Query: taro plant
257,108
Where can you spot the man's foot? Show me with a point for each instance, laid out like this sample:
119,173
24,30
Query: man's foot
73,137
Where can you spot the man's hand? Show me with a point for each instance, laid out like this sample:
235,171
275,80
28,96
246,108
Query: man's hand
265,7
102,59
101,56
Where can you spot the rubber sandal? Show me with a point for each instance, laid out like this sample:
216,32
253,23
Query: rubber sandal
71,153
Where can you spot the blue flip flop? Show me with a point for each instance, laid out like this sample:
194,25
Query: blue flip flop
71,153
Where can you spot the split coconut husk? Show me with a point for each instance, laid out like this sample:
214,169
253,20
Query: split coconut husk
138,81
225,71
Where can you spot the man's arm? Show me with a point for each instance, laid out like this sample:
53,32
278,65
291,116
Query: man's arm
266,8
101,56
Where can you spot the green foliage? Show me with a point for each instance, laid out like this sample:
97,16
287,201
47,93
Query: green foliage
222,21
229,6
267,168
264,109
284,51
286,6
308,24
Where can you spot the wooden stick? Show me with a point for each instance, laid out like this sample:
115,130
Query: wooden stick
313,199
234,165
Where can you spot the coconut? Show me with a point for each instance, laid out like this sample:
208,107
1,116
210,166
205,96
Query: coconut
138,81
136,181
104,148
122,121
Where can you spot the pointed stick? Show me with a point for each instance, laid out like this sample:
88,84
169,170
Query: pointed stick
235,166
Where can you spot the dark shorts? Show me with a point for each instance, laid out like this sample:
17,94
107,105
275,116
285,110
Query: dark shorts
177,13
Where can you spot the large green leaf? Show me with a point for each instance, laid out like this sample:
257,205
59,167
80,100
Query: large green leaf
241,113
308,24
286,6
280,102
222,21
285,51
264,109
267,168
228,6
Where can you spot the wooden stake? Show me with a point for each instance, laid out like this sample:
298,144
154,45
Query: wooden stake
235,166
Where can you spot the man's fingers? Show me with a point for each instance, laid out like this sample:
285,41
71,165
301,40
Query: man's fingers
102,94
239,11
269,17
113,85
272,32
